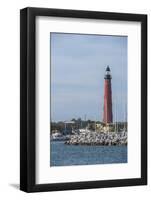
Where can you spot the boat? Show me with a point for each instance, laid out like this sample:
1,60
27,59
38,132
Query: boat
59,137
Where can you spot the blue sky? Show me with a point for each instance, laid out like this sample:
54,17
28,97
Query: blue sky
78,63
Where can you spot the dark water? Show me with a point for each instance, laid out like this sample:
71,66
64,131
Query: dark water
65,155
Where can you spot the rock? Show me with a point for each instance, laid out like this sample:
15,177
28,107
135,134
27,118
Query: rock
93,138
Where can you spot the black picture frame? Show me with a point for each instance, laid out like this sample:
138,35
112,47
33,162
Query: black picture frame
28,99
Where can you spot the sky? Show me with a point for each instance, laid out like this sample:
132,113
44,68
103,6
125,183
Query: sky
78,63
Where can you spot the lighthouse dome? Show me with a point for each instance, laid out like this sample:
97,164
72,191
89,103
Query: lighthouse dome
108,69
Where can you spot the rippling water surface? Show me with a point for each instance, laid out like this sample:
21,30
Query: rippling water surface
65,155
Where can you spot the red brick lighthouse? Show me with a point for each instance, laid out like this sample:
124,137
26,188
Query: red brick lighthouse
107,114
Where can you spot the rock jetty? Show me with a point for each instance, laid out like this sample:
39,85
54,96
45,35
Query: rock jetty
93,138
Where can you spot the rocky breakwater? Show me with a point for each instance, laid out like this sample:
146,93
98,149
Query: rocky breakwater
93,138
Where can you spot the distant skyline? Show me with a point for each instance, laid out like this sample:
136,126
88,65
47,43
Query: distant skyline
78,63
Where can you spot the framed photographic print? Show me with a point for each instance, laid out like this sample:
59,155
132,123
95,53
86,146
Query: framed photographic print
83,99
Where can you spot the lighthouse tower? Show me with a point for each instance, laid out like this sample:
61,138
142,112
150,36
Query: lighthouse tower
107,114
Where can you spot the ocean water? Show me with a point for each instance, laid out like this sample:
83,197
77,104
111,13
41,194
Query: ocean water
66,155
